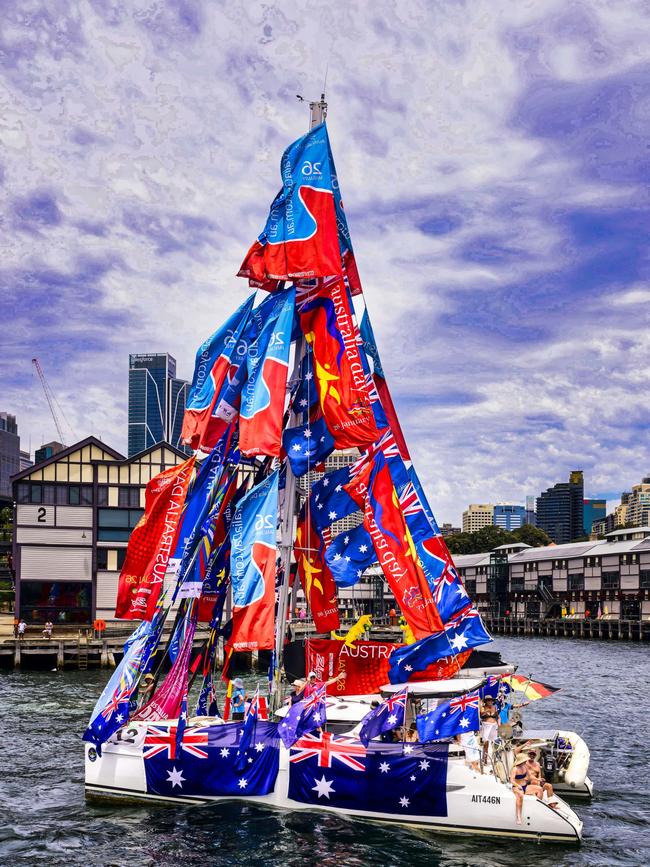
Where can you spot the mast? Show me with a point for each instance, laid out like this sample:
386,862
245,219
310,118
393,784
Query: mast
317,114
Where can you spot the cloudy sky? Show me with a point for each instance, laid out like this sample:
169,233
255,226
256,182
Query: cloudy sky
494,162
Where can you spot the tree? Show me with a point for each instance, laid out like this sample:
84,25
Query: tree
489,538
533,536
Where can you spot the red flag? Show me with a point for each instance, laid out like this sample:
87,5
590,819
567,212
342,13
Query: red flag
151,543
371,486
326,321
316,579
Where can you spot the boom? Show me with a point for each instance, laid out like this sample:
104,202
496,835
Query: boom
49,396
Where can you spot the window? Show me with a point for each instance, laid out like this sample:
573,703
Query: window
74,494
644,579
102,495
517,584
62,495
470,587
629,559
121,556
593,561
611,581
576,582
115,525
128,497
630,608
22,492
86,495
36,494
102,558
49,494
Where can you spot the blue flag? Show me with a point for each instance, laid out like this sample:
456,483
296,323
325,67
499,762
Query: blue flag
329,500
453,717
307,445
306,393
349,556
462,632
207,702
387,716
248,730
304,716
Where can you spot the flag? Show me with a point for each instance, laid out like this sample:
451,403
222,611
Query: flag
206,704
300,238
252,566
213,359
384,718
307,445
167,700
453,717
444,581
337,771
152,543
462,632
413,476
530,689
263,396
206,764
250,721
379,378
182,722
329,499
371,486
304,716
305,395
349,555
316,579
326,320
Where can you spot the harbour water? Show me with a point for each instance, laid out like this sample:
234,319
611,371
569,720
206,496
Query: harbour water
46,821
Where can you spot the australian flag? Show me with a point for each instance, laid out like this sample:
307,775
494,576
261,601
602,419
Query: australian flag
307,445
349,556
329,499
250,721
463,631
451,718
384,718
206,762
304,716
401,779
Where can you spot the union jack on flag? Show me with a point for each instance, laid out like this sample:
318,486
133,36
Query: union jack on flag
120,695
326,747
397,701
163,739
463,702
410,501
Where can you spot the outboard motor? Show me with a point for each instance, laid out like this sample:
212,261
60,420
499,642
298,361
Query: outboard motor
549,767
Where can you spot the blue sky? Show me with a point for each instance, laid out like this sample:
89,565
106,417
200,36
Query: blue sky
494,163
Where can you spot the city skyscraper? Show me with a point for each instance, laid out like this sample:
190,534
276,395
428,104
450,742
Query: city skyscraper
560,509
9,452
509,517
594,510
156,402
476,516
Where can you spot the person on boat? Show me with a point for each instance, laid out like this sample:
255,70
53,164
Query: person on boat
297,693
469,742
522,784
313,683
535,772
489,726
412,734
238,699
148,686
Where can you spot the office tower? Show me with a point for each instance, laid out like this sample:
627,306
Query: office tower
594,510
477,516
9,452
509,517
156,402
560,509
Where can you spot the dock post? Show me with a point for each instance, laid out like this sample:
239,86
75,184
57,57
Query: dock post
16,653
103,659
60,656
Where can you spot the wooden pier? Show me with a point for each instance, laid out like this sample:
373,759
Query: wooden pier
604,629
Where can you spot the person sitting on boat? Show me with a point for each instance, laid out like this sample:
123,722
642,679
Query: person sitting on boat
522,784
535,772
238,699
489,727
412,734
313,683
148,686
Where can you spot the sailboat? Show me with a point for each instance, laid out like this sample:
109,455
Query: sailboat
293,376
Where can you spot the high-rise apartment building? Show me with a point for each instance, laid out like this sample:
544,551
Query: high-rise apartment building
594,510
156,402
477,516
47,450
560,509
531,514
637,513
509,517
9,452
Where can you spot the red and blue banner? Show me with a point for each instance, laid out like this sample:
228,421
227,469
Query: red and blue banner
326,320
300,238
263,395
213,360
400,779
205,763
253,566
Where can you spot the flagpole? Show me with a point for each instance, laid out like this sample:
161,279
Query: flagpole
317,114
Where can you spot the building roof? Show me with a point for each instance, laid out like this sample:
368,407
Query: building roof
553,552
629,530
88,441
512,546
463,561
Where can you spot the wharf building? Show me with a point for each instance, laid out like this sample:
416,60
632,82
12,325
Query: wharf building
610,576
73,516
157,401
560,510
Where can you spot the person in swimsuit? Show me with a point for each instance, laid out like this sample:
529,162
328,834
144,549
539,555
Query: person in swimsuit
535,773
489,727
522,784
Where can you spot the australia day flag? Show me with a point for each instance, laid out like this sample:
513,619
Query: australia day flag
307,445
451,718
304,716
253,565
349,556
262,406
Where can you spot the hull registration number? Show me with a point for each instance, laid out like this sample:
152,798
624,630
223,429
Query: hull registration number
486,799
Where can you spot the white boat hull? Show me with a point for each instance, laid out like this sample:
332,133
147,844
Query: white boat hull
477,804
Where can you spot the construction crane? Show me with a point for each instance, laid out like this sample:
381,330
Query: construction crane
49,396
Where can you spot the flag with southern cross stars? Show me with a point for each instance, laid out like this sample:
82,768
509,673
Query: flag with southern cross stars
384,718
250,721
450,718
349,556
463,631
206,764
307,445
329,500
399,779
304,716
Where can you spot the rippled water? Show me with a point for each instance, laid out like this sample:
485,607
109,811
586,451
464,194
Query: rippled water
47,821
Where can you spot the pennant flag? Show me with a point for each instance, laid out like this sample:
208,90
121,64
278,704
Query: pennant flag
304,716
262,409
384,718
316,579
213,360
453,717
371,486
300,238
307,445
152,543
329,328
253,565
462,632
370,347
167,700
530,689
349,556
329,499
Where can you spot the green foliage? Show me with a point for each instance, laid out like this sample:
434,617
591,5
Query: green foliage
489,538
533,536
